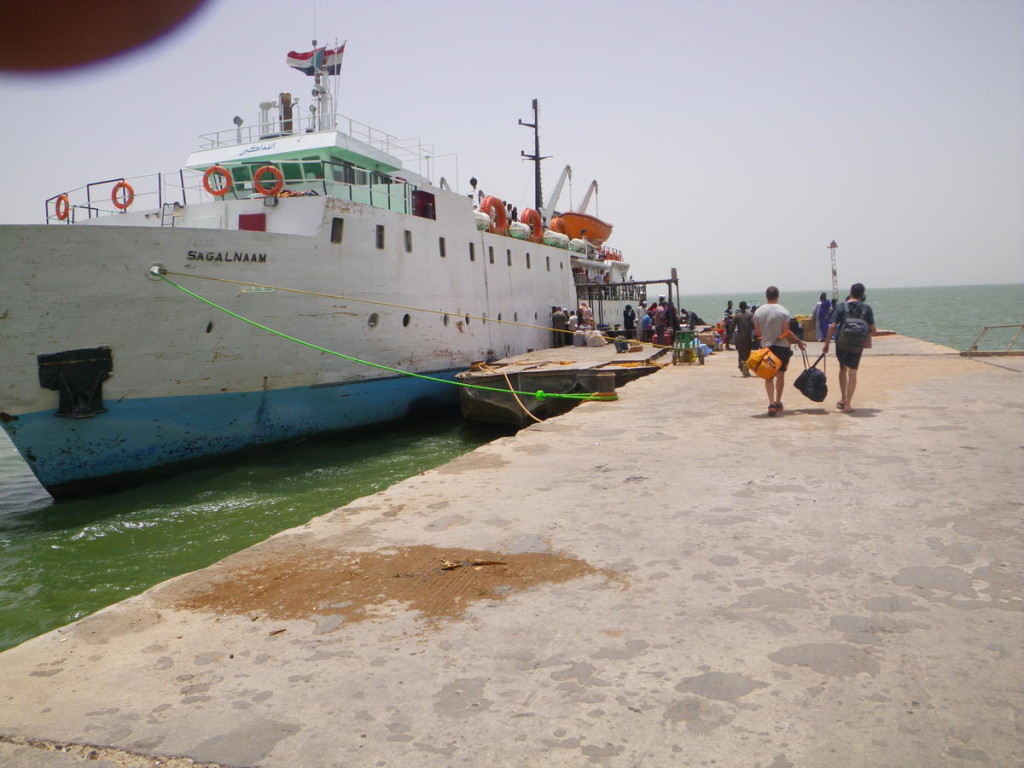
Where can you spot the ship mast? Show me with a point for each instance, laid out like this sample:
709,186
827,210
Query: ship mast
538,199
322,95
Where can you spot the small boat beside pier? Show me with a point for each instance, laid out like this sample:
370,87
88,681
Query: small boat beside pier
528,388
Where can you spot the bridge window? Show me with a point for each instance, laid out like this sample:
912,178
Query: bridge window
380,236
312,168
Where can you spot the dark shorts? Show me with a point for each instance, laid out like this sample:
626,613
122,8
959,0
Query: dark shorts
848,359
783,353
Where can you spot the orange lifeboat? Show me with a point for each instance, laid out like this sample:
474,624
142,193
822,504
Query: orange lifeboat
499,216
532,219
579,225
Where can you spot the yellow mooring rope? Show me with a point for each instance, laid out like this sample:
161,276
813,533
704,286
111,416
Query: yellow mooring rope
519,402
539,394
165,272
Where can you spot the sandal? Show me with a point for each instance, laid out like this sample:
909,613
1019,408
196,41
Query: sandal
773,408
840,405
779,407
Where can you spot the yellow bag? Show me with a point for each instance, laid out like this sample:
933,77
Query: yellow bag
764,363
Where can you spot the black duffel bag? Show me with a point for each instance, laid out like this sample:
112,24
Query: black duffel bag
811,382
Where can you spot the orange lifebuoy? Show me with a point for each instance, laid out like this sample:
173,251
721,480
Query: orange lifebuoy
499,216
129,195
221,171
62,207
557,225
278,181
531,218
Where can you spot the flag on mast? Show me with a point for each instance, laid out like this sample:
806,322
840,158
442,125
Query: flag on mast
325,61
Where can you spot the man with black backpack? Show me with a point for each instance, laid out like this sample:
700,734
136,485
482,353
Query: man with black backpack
853,324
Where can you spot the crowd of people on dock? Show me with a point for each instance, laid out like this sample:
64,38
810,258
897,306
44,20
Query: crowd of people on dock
654,323
748,328
658,321
568,327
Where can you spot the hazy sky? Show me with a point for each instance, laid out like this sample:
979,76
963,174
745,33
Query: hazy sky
732,139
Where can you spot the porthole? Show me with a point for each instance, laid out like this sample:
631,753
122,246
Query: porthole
373,320
467,319
515,317
446,319
406,319
534,317
499,317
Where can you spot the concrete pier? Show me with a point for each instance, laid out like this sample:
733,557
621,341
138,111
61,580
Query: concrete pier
670,579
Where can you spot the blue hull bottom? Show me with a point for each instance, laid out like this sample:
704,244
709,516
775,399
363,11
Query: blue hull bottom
136,439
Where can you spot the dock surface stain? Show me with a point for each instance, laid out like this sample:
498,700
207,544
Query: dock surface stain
353,586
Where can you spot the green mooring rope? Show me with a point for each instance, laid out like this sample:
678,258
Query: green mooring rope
539,394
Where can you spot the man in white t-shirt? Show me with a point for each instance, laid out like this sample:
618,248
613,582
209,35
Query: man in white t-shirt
771,324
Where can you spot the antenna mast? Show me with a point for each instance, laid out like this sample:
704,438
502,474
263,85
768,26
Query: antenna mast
538,200
835,282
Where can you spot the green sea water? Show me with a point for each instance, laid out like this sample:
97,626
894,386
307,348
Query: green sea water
59,562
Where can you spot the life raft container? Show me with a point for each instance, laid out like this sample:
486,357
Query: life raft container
557,239
519,230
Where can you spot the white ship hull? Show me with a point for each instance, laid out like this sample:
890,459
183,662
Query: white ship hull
189,381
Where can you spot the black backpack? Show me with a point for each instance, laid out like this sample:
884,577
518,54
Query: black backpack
854,330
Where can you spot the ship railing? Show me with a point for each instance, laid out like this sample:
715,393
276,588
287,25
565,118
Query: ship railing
100,198
1012,332
151,194
407,150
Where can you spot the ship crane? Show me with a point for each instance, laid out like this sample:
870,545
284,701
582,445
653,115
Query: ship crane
586,198
549,210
